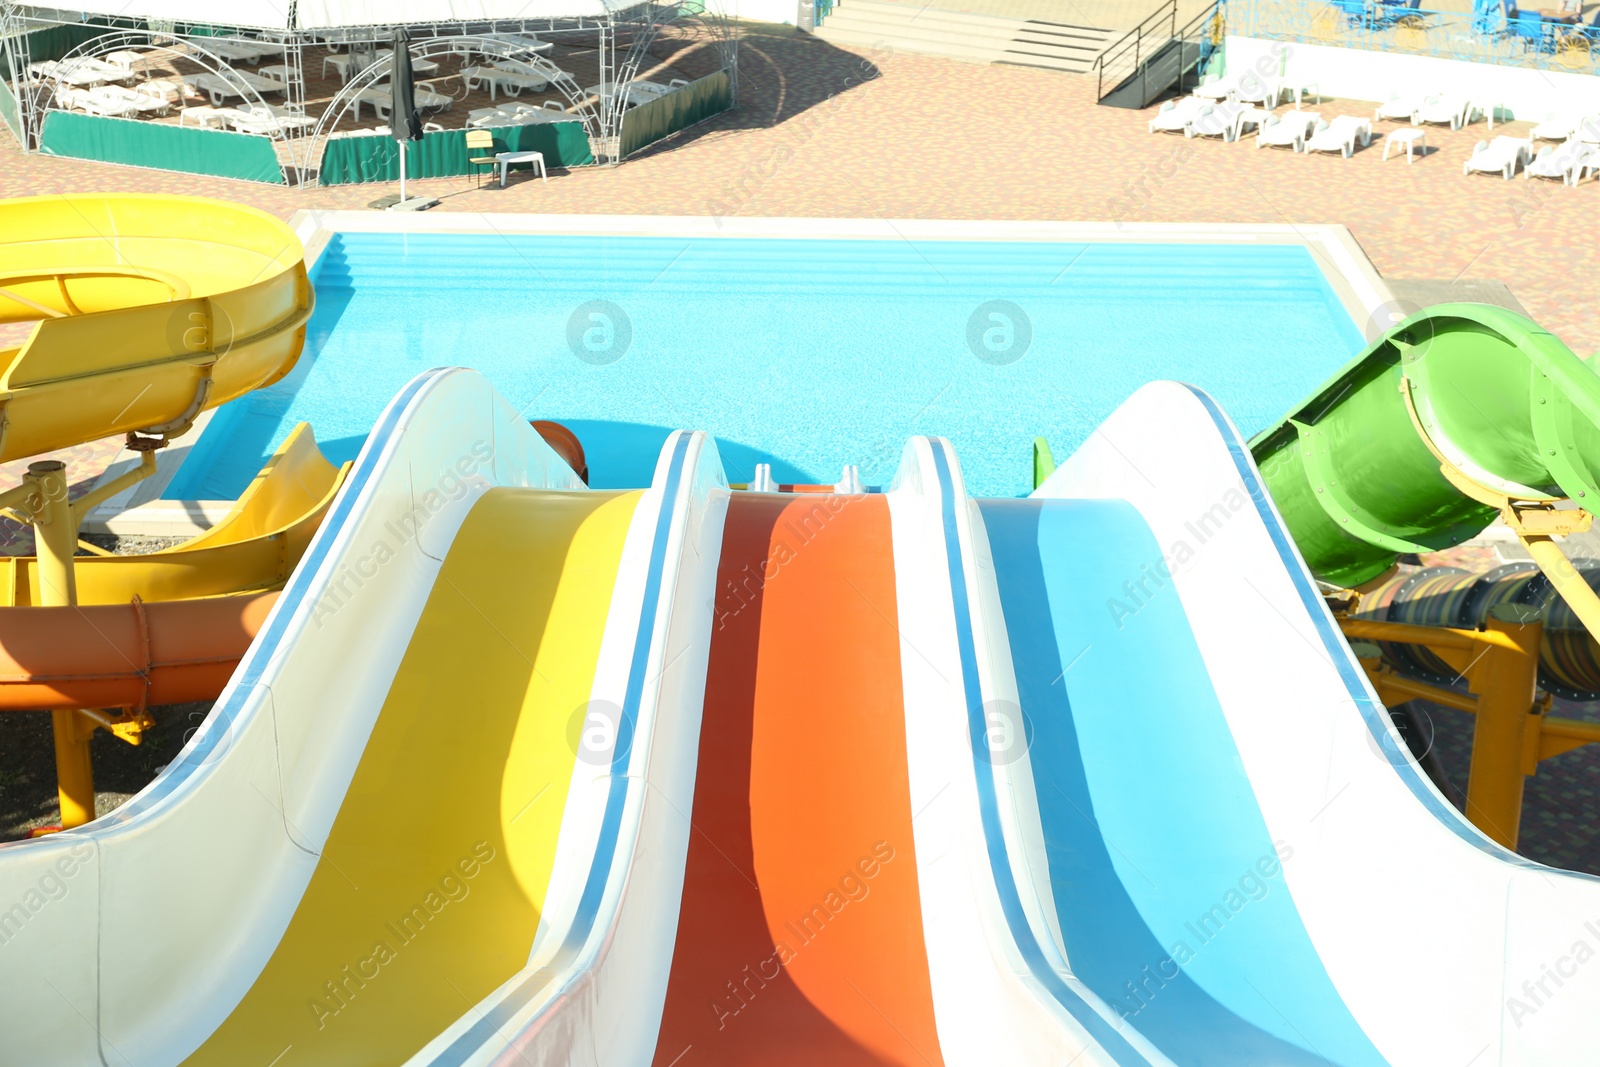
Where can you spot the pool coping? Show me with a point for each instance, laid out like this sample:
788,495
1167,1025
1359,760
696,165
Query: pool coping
1356,283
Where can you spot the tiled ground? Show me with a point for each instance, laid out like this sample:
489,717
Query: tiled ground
822,131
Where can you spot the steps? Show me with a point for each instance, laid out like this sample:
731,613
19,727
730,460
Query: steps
959,35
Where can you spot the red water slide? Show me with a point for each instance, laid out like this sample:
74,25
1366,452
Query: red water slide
800,936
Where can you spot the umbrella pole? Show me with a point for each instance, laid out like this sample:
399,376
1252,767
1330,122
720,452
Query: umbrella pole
402,172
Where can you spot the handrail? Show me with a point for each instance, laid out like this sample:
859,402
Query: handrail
1168,10
1104,62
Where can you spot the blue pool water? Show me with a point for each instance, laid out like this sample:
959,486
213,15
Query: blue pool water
806,354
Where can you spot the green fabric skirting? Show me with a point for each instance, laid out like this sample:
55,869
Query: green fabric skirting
443,153
674,111
148,144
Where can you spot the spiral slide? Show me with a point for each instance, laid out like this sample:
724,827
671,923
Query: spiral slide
149,310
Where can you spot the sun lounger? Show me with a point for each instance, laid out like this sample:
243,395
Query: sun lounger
1175,115
1556,127
1499,156
219,88
1340,135
381,97
1288,130
1401,107
1565,162
1221,120
91,102
79,73
143,103
1265,92
1446,109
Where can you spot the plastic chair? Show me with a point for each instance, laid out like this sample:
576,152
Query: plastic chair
479,140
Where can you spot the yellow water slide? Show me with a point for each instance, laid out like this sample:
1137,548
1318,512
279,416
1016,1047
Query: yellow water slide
149,310
430,888
255,546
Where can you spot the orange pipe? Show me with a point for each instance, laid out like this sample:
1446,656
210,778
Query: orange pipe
125,655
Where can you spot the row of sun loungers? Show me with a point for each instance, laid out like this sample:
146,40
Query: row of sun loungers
1230,114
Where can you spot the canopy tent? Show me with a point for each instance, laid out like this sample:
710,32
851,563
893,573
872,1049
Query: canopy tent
583,55
333,14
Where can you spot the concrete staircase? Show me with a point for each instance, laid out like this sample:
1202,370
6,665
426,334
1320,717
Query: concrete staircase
960,35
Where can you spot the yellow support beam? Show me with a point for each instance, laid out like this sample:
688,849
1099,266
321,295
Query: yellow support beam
1500,739
55,536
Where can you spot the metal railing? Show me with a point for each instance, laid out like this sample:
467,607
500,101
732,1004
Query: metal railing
1492,38
1124,55
1146,55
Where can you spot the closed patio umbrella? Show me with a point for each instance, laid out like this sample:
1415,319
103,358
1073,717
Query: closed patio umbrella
406,122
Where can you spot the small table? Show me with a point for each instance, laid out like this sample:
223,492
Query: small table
1410,137
505,159
1250,116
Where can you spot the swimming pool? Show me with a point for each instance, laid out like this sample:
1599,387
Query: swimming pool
808,354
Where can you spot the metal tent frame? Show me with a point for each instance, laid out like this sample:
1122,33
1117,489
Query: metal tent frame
621,41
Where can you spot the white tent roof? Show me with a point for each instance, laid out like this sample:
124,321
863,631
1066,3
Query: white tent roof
323,14
328,14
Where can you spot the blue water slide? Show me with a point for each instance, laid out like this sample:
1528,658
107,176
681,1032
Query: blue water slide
1168,888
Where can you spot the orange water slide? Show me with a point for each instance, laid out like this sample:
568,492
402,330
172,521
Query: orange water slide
125,655
800,936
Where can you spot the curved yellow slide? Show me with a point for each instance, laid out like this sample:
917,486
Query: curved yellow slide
255,546
150,310
429,890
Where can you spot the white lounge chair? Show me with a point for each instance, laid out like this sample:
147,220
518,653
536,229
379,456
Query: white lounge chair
1175,115
130,60
381,97
1499,156
1400,107
91,102
1221,120
1446,109
143,103
79,73
1565,162
219,88
1265,92
1218,88
1556,127
1288,130
1340,135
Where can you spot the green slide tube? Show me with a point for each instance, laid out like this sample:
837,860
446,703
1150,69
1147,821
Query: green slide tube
1502,399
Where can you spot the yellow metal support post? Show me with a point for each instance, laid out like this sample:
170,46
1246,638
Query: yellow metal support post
1505,681
55,536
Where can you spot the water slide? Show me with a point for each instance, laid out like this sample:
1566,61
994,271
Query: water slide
518,772
1404,449
254,546
148,311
